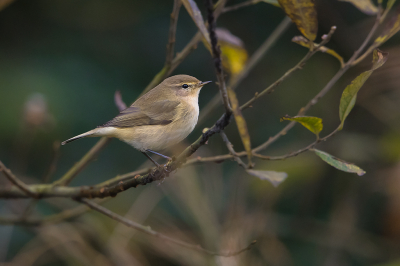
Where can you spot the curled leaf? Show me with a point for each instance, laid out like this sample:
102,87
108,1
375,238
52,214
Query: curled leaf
340,164
234,55
349,95
314,124
303,14
195,13
306,43
241,124
274,177
365,6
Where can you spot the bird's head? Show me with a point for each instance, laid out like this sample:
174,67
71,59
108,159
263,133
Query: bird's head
183,85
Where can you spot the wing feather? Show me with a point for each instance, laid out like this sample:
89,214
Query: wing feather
159,113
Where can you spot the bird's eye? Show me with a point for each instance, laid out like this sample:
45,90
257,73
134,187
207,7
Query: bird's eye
185,86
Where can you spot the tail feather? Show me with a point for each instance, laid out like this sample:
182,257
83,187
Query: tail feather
87,134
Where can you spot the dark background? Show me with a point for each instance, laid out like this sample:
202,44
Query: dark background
71,56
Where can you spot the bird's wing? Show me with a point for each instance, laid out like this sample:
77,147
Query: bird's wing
158,113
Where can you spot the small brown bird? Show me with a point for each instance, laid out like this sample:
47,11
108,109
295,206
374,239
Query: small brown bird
160,118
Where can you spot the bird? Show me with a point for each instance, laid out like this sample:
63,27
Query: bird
162,117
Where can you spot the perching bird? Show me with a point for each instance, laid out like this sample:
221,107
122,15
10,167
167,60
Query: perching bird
160,118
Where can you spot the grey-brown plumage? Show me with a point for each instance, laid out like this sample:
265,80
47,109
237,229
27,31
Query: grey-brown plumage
160,118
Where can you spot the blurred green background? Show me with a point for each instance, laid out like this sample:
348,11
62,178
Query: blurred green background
69,58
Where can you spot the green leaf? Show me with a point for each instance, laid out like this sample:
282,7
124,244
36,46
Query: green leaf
241,124
340,164
349,95
306,43
303,14
195,13
274,177
272,2
365,6
314,124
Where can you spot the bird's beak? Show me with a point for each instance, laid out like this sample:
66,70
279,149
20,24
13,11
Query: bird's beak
202,83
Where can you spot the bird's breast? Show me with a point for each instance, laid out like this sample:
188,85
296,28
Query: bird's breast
160,137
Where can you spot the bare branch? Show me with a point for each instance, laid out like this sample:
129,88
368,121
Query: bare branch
231,150
216,52
17,182
240,5
172,32
290,71
149,231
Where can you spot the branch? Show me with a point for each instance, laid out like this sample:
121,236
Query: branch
149,231
290,71
172,32
231,150
17,182
216,52
240,5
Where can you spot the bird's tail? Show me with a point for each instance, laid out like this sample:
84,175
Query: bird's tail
90,133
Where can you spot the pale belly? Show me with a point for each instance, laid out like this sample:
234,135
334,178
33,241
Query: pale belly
157,137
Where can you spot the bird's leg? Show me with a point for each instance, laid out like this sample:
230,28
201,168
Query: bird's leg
151,159
159,154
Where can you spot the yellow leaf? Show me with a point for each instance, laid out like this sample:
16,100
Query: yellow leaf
233,54
241,124
306,43
303,14
233,58
314,124
365,6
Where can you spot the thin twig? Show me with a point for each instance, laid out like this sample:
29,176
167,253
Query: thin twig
216,52
17,182
240,5
149,231
172,32
290,71
231,150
